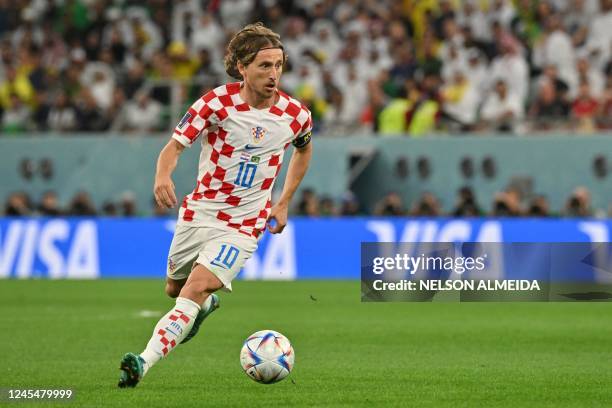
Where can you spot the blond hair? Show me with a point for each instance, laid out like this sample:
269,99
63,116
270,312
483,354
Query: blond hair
245,45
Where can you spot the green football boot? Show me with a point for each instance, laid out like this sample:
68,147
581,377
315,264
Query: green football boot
203,314
131,370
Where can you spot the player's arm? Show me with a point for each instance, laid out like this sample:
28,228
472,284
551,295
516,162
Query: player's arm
166,163
300,159
194,123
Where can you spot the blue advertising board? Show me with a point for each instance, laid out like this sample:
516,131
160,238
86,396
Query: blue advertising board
324,248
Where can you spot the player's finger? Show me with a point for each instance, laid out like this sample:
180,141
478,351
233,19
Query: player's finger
171,195
165,198
158,199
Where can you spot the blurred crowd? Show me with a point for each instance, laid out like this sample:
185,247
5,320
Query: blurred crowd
20,204
362,66
512,202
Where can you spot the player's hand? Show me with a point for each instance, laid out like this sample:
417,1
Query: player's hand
164,192
278,214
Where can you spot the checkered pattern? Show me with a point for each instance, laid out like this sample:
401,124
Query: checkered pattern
297,113
229,127
275,161
212,108
251,227
168,344
179,315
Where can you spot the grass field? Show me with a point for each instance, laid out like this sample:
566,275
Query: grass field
348,353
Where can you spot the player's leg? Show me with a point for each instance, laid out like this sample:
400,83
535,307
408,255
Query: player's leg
174,286
200,287
200,284
169,331
174,327
217,265
184,249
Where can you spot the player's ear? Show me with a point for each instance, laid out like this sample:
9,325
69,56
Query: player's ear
241,69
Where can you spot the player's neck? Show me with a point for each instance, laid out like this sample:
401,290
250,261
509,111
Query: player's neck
255,100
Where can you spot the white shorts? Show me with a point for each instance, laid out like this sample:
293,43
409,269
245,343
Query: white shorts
222,251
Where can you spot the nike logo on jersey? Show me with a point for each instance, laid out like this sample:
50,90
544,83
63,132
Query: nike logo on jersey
251,147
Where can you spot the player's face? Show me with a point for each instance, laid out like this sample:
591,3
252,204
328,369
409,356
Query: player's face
263,74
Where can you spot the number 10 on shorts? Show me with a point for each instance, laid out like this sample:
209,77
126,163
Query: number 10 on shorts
227,256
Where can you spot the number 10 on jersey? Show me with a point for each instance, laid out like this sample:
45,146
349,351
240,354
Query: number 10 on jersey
246,174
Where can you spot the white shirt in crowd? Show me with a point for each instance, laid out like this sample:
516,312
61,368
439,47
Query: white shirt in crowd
557,49
514,70
494,107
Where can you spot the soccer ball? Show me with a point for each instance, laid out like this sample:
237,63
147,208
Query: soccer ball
267,356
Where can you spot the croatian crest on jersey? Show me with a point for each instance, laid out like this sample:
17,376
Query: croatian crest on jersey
258,134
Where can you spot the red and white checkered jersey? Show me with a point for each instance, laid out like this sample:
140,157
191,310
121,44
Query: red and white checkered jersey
242,154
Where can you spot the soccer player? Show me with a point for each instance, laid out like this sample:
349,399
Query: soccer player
245,128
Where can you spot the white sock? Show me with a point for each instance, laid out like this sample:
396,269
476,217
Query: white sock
170,331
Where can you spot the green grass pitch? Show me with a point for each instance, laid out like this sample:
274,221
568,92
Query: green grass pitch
73,334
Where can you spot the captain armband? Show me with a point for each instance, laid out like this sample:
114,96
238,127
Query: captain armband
303,140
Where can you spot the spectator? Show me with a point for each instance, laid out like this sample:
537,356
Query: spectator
308,204
327,207
471,16
49,205
466,205
392,118
141,115
502,109
390,205
579,203
538,207
81,205
350,205
511,67
584,109
549,109
506,204
16,116
90,116
18,205
605,113
585,73
62,116
556,48
460,101
128,204
426,206
109,209
15,84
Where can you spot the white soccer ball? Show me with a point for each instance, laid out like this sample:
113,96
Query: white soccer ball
267,356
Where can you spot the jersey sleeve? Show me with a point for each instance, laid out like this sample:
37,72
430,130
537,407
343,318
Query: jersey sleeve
304,135
198,119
